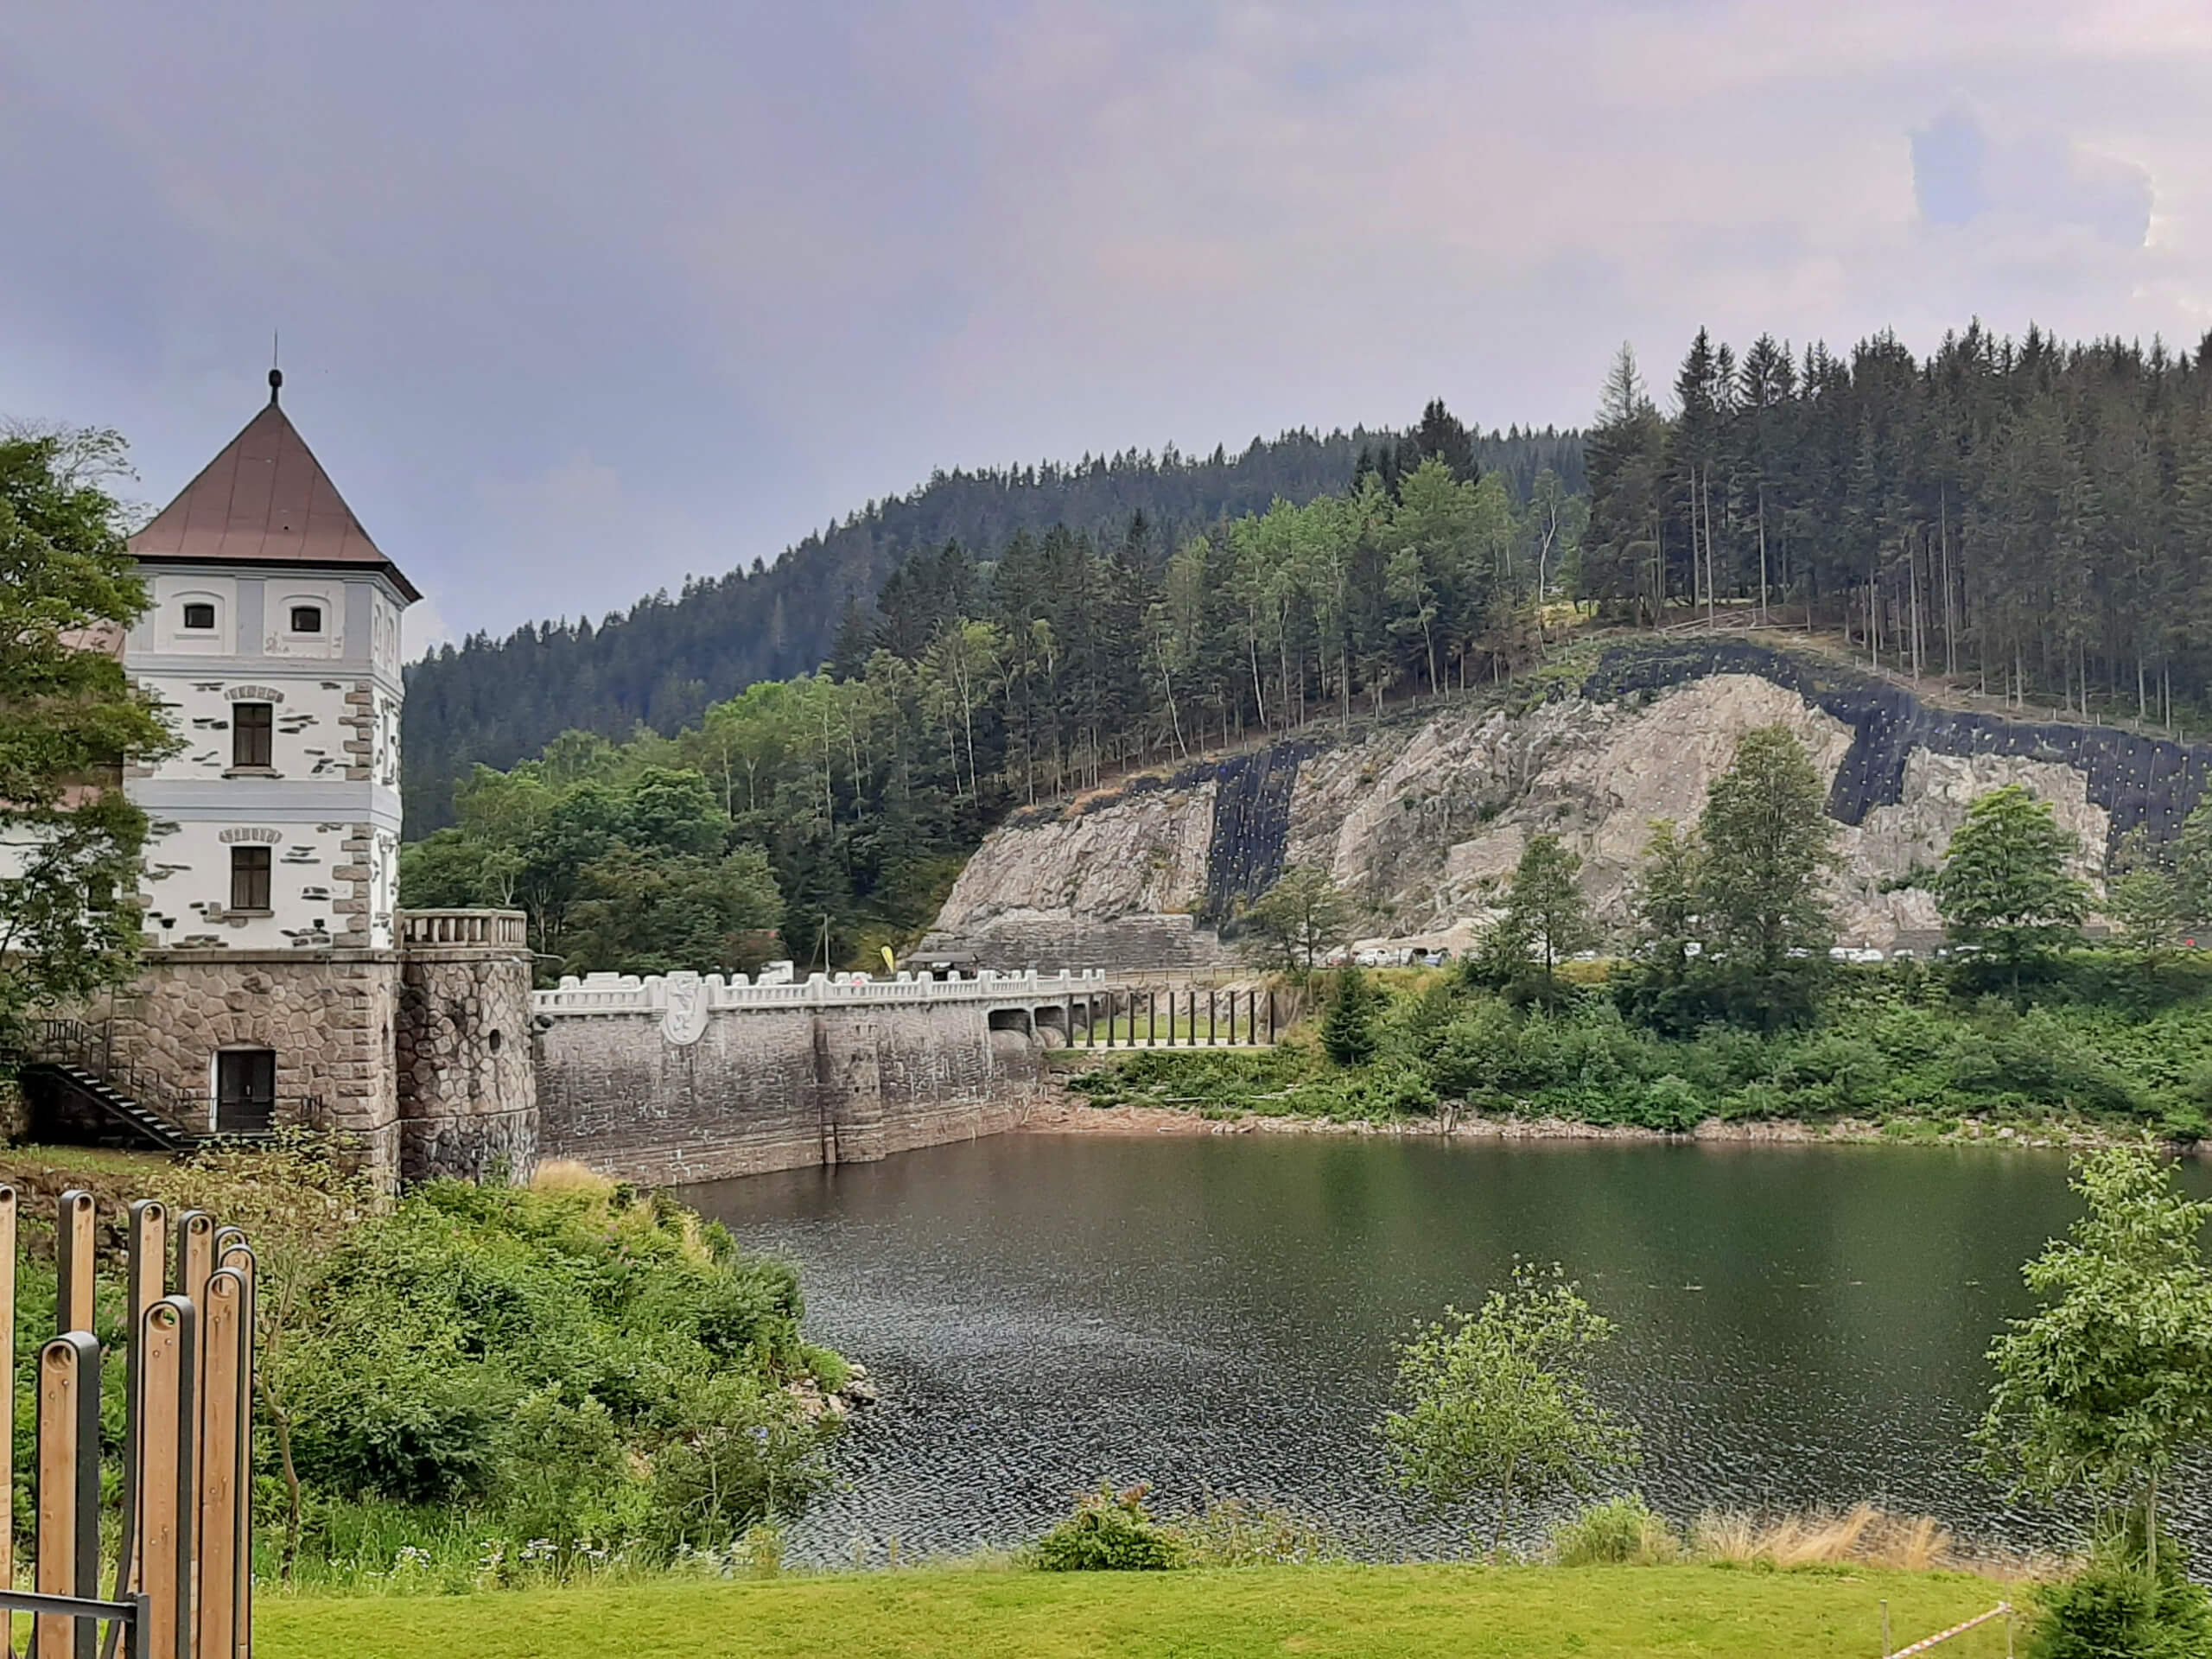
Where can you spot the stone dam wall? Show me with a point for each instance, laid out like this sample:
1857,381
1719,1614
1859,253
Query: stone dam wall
671,1080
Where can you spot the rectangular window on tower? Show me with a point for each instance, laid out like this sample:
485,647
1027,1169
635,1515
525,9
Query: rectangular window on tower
253,726
249,878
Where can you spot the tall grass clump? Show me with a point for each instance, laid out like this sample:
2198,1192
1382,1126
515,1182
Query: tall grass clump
1863,1533
1622,1531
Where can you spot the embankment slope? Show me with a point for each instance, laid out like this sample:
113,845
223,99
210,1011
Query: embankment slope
1421,816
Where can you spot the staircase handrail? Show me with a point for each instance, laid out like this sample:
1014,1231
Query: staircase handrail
90,1048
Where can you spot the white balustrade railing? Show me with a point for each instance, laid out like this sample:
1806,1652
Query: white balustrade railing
628,994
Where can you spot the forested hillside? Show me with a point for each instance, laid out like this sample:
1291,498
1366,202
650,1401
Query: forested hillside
997,674
661,664
2033,515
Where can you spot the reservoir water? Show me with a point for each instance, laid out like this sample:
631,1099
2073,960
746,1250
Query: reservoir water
1799,1325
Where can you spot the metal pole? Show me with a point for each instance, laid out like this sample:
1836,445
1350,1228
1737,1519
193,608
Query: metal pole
1151,1018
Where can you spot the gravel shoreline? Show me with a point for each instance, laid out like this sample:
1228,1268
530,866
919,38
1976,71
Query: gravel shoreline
1065,1113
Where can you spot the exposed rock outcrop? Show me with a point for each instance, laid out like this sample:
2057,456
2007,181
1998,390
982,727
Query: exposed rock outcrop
1423,817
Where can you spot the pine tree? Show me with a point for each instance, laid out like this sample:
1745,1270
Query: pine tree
1348,1030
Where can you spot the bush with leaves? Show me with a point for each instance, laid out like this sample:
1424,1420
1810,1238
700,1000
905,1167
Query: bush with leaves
2108,1385
578,1364
1498,1404
2117,1607
1110,1531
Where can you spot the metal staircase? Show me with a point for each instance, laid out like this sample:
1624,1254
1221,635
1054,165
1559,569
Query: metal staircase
130,1107
133,1124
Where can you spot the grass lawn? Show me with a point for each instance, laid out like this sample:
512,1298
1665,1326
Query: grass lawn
1402,1612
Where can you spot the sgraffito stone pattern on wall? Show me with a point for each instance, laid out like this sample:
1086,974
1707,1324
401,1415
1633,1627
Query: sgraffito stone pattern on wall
765,1089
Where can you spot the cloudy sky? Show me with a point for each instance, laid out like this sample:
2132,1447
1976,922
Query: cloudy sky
577,297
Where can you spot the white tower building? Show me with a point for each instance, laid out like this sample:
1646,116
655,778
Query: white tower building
274,639
280,984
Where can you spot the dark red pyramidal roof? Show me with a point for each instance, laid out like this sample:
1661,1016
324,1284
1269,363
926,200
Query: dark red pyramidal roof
264,499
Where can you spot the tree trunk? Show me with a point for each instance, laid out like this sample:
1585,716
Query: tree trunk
283,1421
1504,1509
1762,552
1705,493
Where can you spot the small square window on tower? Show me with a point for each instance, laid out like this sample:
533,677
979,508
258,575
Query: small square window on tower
199,616
253,733
249,878
306,618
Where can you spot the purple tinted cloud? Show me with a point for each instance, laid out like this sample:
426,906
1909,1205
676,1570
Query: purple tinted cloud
576,298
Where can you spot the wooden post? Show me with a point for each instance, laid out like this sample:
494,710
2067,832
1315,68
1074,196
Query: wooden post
73,1250
145,1265
1212,1031
238,1259
8,1393
1151,1018
68,1489
1090,1020
215,1590
167,1417
1271,1015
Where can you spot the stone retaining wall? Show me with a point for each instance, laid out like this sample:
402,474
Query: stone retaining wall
329,1017
467,1090
760,1090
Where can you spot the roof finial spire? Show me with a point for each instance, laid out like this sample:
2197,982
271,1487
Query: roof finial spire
276,374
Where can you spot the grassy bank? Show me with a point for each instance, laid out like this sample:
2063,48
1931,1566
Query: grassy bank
1402,1612
2109,1048
563,1375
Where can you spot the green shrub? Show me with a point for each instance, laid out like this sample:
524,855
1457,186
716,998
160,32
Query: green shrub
2113,1610
1110,1531
1620,1531
1671,1103
578,1364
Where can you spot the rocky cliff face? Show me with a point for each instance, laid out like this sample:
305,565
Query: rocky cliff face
1423,817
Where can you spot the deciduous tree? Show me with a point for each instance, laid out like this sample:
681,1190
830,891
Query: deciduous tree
1769,843
1302,917
69,842
2005,888
1498,1403
2108,1385
1546,918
